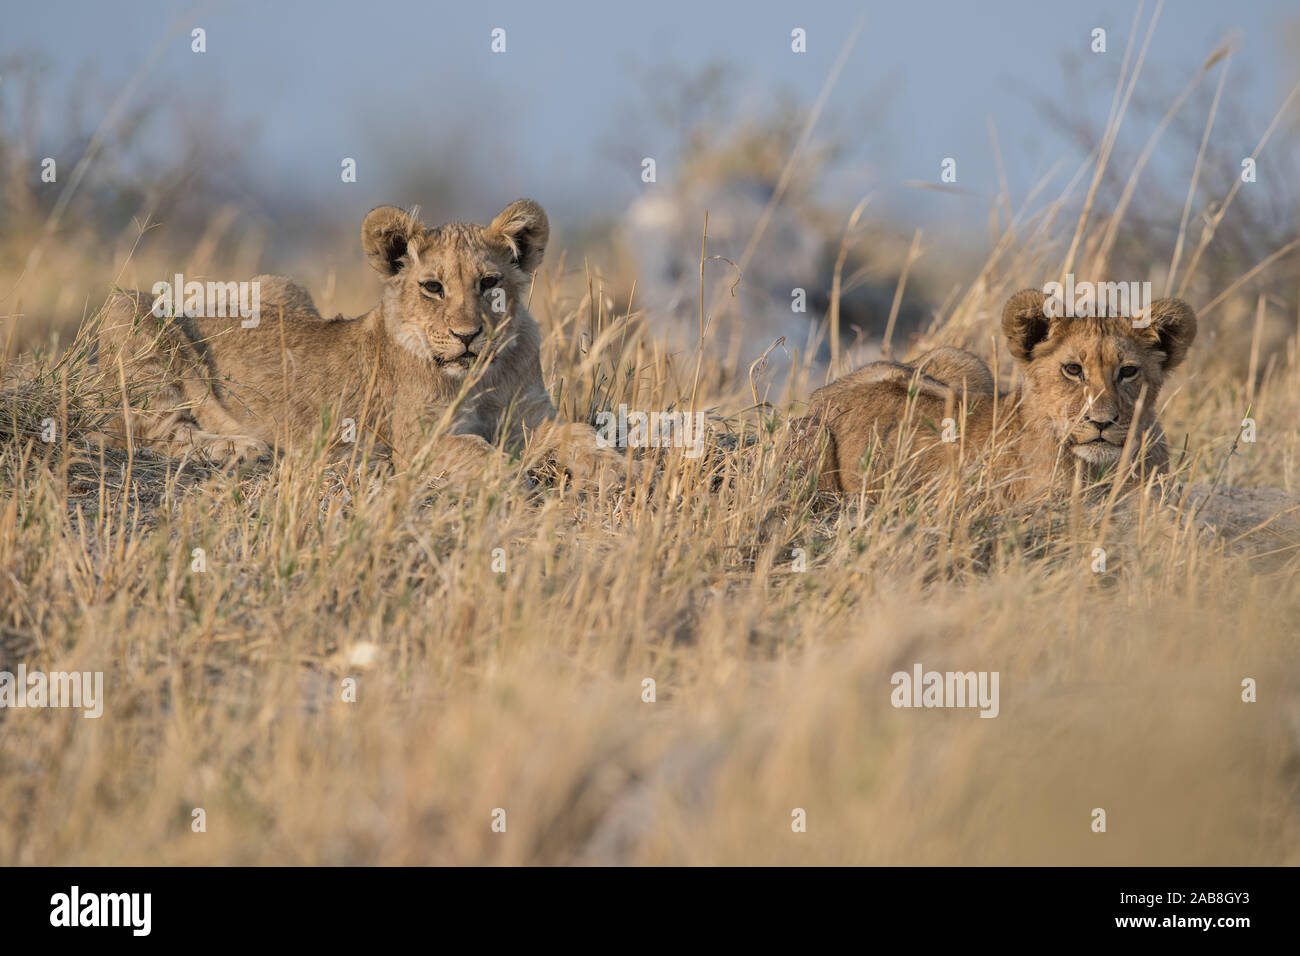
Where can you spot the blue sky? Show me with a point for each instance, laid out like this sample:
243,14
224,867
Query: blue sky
320,81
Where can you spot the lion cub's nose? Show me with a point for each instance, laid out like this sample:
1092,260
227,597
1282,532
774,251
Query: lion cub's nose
467,337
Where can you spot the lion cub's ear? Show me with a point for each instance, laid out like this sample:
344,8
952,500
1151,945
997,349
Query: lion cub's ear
1173,324
1025,323
524,229
385,235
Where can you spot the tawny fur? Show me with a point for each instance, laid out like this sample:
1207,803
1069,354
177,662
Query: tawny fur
451,332
1038,434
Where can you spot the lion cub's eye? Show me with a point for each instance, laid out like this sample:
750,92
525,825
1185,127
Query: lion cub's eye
488,282
1073,369
432,286
1128,371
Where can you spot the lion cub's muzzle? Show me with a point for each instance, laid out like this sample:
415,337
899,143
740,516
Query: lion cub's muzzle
469,353
1098,443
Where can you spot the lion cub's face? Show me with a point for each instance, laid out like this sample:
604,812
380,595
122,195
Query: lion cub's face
1084,376
453,289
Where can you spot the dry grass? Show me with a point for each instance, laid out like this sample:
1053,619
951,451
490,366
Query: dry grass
521,689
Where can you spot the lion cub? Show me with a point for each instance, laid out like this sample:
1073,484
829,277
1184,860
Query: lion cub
1086,384
451,334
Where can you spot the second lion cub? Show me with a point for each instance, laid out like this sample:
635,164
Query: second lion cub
1089,387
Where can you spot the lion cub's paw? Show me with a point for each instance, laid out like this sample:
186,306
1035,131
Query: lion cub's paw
576,449
233,452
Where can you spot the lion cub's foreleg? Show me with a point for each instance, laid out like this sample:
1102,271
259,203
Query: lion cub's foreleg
458,458
575,447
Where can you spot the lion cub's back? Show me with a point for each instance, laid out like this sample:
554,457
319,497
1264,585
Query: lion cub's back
303,360
936,374
276,292
870,403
